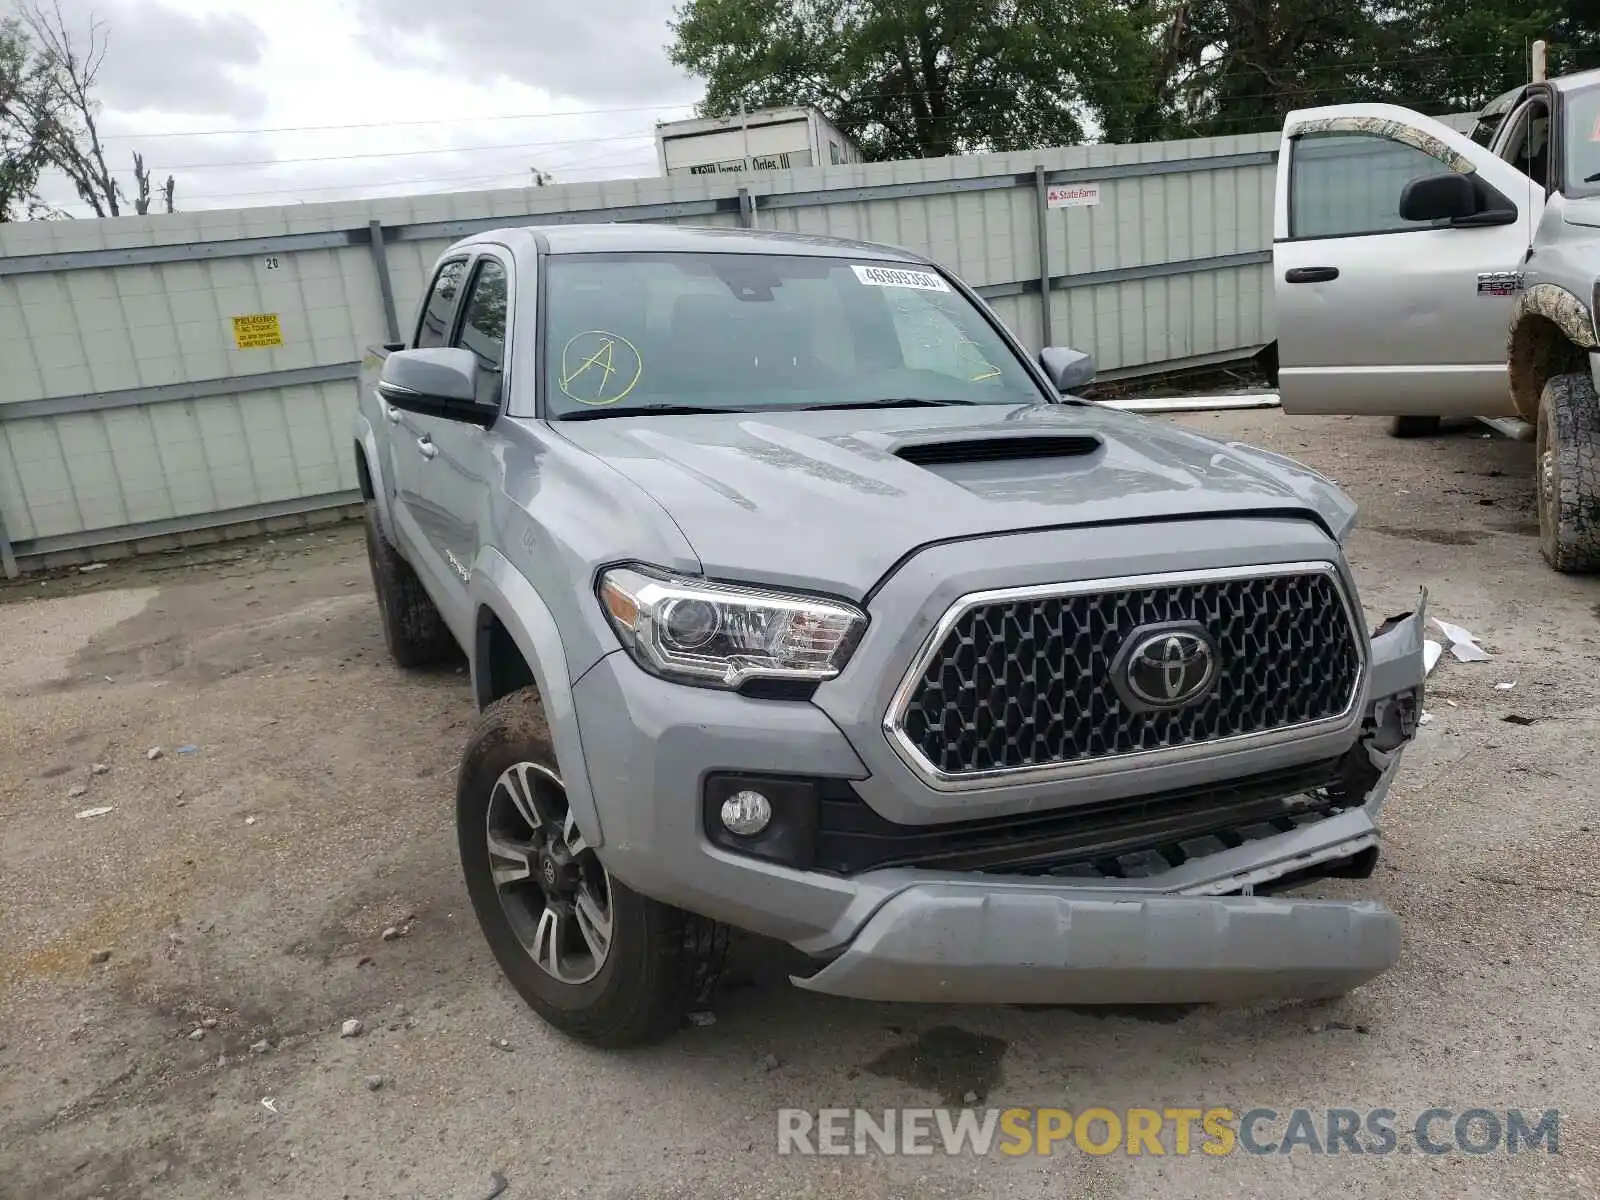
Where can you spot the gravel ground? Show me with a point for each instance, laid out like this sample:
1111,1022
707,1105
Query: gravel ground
237,893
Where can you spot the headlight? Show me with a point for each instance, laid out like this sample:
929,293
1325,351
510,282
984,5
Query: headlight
722,635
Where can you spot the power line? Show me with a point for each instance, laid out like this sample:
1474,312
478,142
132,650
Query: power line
550,116
437,150
860,98
1217,117
585,141
520,172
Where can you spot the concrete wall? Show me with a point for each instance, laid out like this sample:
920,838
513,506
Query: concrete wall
130,411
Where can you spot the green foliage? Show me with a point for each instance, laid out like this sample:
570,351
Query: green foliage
901,78
920,79
24,136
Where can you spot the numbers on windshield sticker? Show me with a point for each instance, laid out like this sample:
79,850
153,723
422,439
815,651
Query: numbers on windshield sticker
922,281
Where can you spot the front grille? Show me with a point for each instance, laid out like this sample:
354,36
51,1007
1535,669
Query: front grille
1024,680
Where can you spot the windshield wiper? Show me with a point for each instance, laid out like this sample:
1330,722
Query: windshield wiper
595,414
892,402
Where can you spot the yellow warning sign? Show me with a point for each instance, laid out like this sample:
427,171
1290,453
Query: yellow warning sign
257,331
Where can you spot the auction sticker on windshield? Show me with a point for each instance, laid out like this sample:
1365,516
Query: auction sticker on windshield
925,281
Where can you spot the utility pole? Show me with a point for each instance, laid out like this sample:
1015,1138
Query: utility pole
1539,61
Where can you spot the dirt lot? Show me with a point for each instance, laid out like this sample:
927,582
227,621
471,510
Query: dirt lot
243,880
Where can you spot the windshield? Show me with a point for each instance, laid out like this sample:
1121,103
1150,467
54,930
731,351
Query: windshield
627,332
1582,150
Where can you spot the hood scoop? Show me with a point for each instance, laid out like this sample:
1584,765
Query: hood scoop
990,449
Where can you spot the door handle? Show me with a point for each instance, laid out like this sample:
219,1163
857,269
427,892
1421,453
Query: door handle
392,413
1311,274
428,449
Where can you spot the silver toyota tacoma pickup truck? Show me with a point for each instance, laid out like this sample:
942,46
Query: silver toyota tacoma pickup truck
800,600
1421,273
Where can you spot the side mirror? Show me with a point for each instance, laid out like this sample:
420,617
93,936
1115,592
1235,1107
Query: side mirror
436,382
1066,367
1446,196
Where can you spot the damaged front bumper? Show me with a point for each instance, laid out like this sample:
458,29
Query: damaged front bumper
1194,934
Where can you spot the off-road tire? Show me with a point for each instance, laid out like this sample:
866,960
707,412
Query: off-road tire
1567,473
663,963
413,630
1413,426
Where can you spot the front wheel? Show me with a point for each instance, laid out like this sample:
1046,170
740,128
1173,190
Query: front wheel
588,954
1567,469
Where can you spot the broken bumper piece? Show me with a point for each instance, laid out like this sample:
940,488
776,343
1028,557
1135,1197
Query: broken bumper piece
977,941
960,943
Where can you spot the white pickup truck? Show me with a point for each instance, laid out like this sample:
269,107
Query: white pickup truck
1421,273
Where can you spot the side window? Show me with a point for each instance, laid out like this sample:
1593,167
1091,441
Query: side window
1484,127
1527,145
1341,184
483,326
1492,116
434,327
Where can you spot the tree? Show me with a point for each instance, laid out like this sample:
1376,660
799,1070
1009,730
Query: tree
911,78
1460,57
141,179
1239,66
49,116
23,135
906,78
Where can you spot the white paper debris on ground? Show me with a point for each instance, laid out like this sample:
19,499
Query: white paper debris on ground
1505,687
1453,703
268,1103
94,812
1431,650
1463,642
1425,718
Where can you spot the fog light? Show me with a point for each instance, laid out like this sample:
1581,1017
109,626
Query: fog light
746,813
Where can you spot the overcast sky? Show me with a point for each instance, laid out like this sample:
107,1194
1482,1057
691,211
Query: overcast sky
236,99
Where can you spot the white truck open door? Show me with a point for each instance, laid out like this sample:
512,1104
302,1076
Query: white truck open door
1397,247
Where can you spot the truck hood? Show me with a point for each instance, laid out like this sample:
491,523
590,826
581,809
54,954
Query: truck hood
1584,212
832,500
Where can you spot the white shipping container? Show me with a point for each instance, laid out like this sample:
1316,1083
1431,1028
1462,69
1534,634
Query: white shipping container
771,139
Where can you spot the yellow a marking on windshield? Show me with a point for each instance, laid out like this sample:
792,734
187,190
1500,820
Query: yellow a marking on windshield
604,360
594,360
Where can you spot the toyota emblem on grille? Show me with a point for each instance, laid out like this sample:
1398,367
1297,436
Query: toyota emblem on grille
1170,667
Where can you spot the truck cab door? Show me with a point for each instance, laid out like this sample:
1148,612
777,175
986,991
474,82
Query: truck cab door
1380,313
458,471
410,434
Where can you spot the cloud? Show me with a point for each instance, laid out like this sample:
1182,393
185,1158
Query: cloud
432,110
165,60
599,52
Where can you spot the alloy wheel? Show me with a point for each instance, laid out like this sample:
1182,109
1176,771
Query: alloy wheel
555,893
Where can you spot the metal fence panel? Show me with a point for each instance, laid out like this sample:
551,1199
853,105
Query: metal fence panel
193,370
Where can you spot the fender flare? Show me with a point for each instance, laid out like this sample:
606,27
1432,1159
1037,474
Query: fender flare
498,588
1566,311
367,441
1534,351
